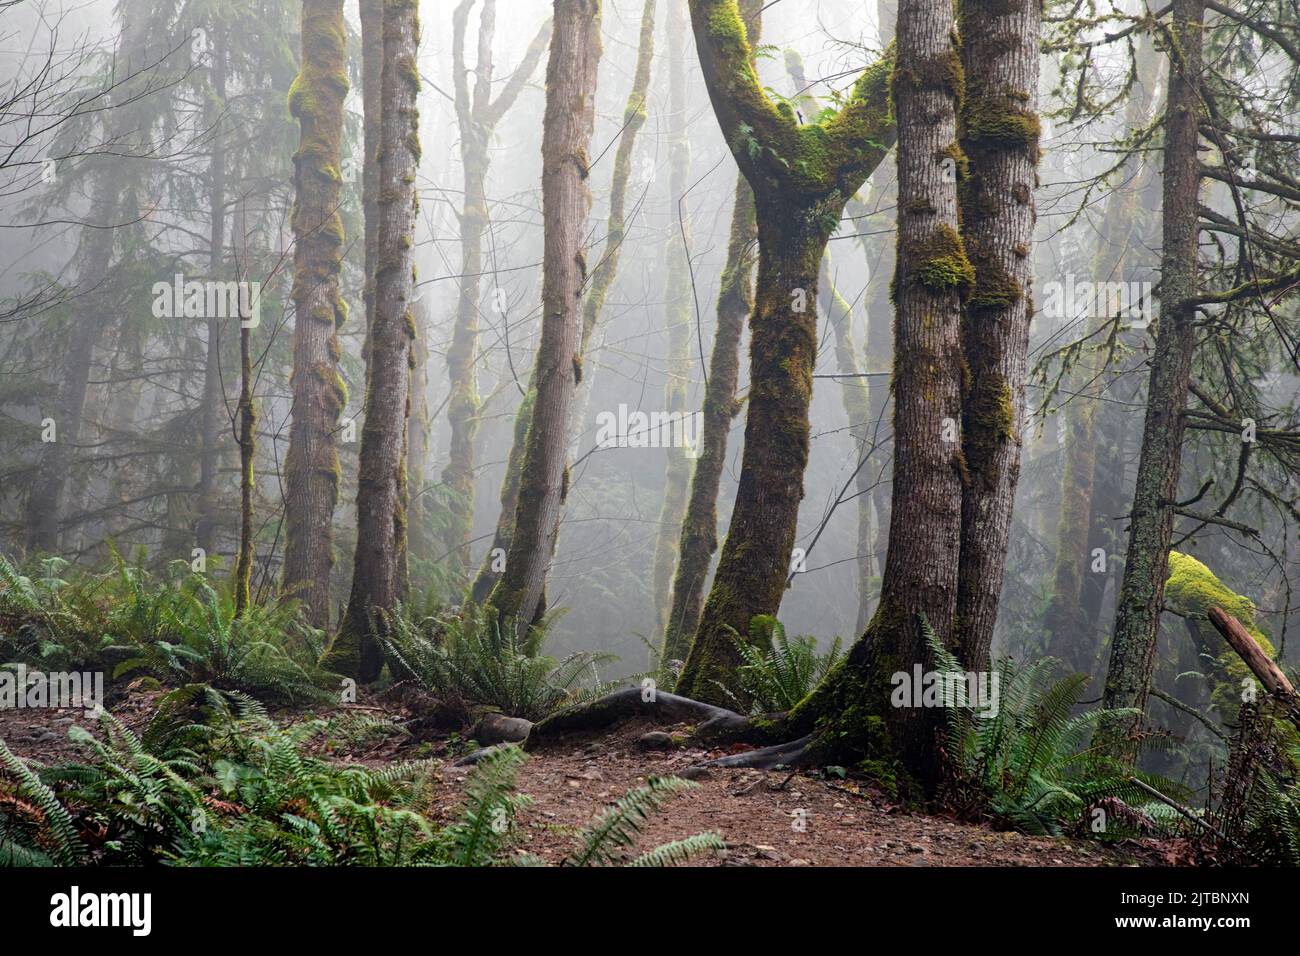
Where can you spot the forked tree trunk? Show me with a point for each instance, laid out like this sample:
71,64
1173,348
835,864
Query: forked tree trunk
566,202
1151,520
801,176
477,116
850,716
312,476
381,509
999,136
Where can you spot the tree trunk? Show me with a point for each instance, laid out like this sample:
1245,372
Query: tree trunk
91,319
1093,468
999,137
247,448
205,527
699,531
372,63
678,314
381,516
566,202
319,395
602,277
1151,519
801,176
477,116
850,713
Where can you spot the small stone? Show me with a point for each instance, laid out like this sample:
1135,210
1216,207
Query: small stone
655,740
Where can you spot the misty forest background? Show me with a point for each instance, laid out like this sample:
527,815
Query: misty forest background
459,282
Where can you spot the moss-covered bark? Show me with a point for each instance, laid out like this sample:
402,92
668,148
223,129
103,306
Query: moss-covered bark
801,176
850,714
319,393
566,201
699,528
1191,590
377,579
247,415
996,162
1152,517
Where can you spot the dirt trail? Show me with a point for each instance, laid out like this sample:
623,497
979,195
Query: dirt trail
766,818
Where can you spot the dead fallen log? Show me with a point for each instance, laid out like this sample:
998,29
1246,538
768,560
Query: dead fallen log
1260,664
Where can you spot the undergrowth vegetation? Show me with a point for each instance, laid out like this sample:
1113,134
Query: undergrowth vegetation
174,627
468,657
213,780
1029,761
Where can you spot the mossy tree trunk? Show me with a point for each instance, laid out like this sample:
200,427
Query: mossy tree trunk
999,138
849,718
377,579
699,530
1151,520
246,412
801,176
678,315
319,394
477,115
566,202
372,63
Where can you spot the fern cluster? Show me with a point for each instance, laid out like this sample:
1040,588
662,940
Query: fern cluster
778,671
174,627
1031,764
469,658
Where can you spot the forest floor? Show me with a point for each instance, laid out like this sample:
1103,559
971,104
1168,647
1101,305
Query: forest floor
766,818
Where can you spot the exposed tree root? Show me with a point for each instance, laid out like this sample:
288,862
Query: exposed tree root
793,755
659,707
